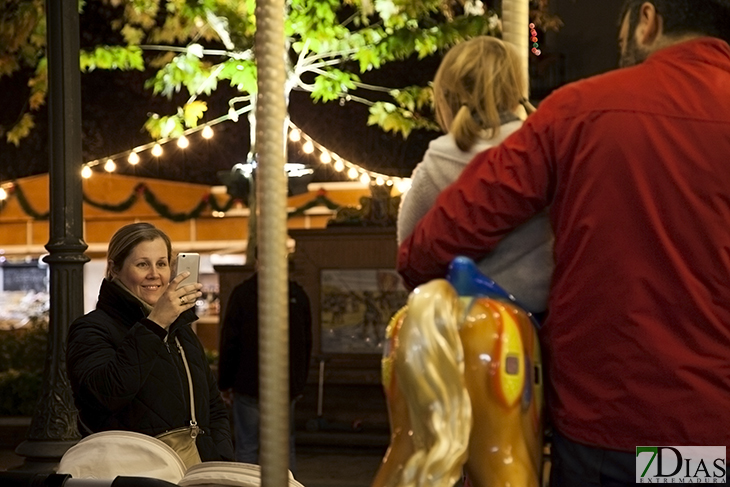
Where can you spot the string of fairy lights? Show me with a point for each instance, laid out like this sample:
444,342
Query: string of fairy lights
308,145
342,165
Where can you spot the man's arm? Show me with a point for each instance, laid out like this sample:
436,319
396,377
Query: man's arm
497,191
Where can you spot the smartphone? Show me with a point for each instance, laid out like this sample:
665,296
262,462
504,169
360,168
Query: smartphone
188,261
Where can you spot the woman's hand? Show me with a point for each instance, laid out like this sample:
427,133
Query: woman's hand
174,301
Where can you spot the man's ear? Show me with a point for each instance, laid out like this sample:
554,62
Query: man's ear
649,27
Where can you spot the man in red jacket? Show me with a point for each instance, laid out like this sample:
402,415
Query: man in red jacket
634,166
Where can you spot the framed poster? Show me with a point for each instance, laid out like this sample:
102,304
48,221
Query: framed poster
355,307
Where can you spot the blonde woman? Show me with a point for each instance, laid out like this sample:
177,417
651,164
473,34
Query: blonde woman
478,102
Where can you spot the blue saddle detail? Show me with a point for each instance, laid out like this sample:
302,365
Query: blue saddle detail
468,280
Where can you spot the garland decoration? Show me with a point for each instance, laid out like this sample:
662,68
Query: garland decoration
164,211
320,200
123,206
141,190
213,202
25,204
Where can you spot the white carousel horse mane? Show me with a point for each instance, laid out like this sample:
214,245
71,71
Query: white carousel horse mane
430,368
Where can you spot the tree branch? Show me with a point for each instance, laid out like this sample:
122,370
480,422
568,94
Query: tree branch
244,55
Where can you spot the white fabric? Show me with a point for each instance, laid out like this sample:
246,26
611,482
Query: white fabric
442,163
522,263
109,454
235,474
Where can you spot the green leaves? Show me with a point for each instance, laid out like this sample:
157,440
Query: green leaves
198,43
414,98
388,117
123,58
172,126
186,70
192,112
164,127
21,129
22,34
331,41
331,84
242,75
392,118
413,110
368,58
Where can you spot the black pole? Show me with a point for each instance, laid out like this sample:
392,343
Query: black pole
53,427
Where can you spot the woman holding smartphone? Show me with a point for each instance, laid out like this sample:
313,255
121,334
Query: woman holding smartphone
132,360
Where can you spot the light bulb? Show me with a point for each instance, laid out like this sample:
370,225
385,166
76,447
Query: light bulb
325,158
403,186
207,132
3,194
109,166
339,165
295,135
157,150
308,147
133,158
365,178
379,181
183,142
86,172
352,173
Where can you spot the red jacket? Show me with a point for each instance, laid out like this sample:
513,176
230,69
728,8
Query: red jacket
635,167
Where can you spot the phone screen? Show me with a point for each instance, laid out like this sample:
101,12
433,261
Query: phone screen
187,261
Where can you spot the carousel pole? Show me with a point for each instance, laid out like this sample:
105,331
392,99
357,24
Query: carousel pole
515,30
271,181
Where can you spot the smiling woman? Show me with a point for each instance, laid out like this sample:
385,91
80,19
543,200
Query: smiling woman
146,271
123,371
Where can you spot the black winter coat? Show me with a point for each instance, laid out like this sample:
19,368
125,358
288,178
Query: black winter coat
238,364
127,374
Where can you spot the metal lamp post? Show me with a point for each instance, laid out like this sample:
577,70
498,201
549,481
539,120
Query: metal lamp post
53,427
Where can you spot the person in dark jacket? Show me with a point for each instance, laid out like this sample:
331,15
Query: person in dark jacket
123,362
239,362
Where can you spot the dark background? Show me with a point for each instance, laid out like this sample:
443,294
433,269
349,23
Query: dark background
115,106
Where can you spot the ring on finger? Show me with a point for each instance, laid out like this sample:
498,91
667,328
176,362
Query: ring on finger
183,301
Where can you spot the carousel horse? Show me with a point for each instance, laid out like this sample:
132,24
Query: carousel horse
462,375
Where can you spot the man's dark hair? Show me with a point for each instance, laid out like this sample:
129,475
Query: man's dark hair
707,17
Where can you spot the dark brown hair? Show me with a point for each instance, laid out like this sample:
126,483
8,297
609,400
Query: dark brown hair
706,17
